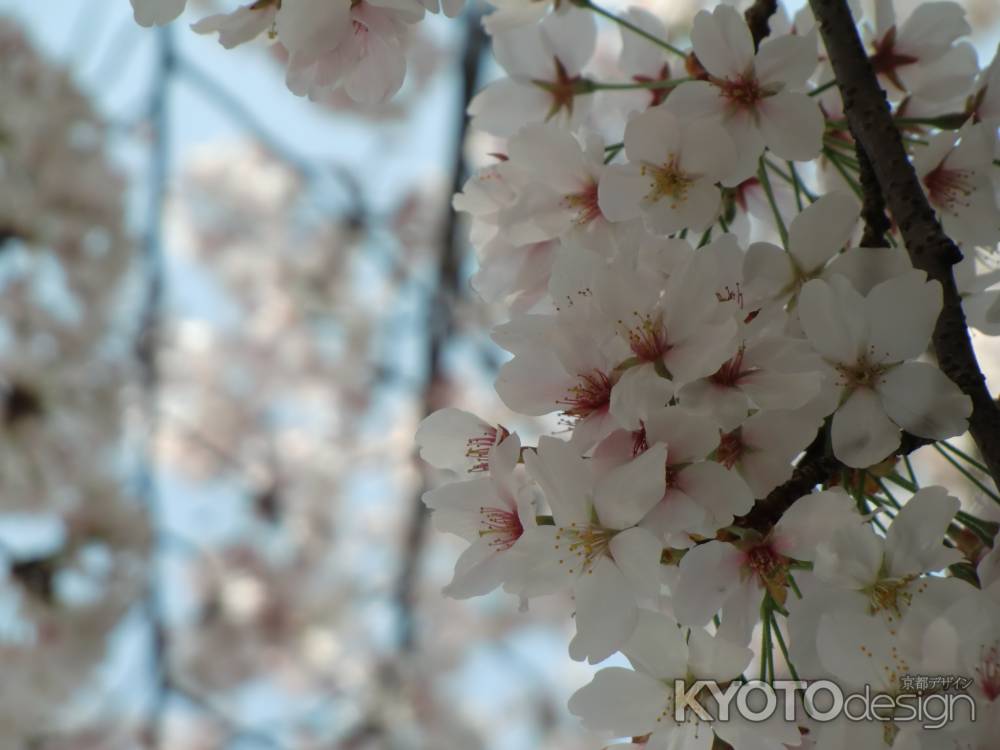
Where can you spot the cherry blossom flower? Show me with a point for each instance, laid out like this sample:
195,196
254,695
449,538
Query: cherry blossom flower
557,195
701,495
511,14
594,545
491,513
456,440
964,640
640,702
884,576
956,172
906,55
677,328
870,344
358,47
859,656
733,577
670,179
554,370
768,371
754,95
544,65
762,448
815,236
642,61
241,25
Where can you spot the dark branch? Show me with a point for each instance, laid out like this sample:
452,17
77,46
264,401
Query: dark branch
441,325
757,16
929,247
877,223
814,468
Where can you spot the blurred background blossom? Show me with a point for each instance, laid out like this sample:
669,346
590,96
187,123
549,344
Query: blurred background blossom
224,311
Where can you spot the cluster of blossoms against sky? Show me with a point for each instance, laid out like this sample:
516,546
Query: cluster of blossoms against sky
676,235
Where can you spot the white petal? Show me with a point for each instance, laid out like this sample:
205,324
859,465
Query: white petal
638,391
857,653
722,492
862,434
707,149
606,612
621,191
620,701
792,125
157,12
787,60
505,106
653,136
657,647
813,519
443,438
696,99
923,400
822,229
768,272
716,658
637,552
479,570
851,559
629,492
914,542
564,478
310,27
709,573
833,322
689,436
722,42
901,316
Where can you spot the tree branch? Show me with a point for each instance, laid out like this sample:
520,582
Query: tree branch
929,247
815,467
440,325
877,223
758,16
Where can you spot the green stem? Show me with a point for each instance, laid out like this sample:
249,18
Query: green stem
963,454
765,638
885,491
904,483
792,179
631,27
783,646
614,86
834,159
976,526
964,472
824,87
909,470
765,181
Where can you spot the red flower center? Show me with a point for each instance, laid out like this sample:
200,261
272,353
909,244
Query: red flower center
591,394
503,526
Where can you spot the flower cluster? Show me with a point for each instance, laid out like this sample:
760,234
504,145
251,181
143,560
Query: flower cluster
357,45
73,544
733,381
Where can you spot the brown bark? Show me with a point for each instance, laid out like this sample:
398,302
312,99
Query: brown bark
758,16
930,249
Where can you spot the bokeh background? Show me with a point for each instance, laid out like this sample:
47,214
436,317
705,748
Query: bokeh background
222,546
